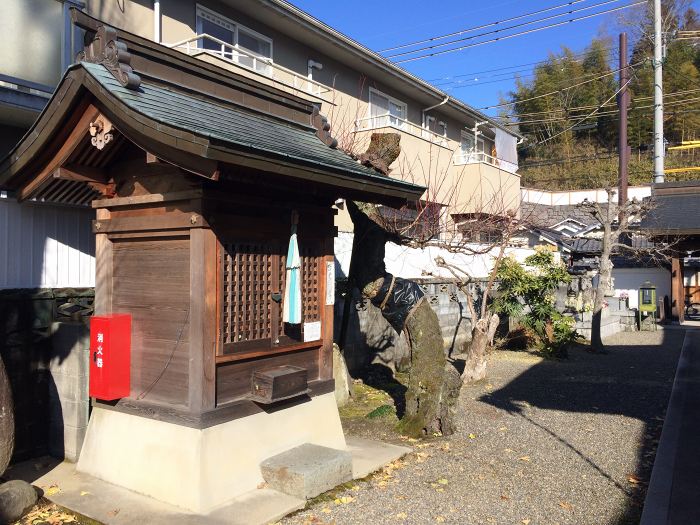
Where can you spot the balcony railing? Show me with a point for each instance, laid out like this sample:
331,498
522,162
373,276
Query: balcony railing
391,121
240,57
475,157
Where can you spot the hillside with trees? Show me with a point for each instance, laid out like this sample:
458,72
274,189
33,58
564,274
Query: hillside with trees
568,110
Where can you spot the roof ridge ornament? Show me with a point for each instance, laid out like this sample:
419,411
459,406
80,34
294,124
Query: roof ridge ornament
107,50
323,128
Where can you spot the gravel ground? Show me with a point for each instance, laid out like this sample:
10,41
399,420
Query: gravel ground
540,442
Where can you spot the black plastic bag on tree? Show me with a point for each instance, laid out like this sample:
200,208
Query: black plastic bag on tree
396,299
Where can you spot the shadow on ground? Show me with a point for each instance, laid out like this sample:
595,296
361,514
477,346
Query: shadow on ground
632,381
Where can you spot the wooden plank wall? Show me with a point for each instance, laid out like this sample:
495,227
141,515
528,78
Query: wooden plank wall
152,282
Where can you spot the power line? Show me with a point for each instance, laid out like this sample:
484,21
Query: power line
529,31
581,54
483,26
495,31
601,114
513,75
583,119
560,90
582,108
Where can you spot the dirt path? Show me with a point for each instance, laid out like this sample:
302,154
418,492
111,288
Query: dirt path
541,442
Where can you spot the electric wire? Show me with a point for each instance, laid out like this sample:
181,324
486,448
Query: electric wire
581,54
483,26
581,108
500,30
543,141
612,72
521,33
461,84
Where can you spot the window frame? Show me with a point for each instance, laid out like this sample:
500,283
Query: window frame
390,99
478,154
235,27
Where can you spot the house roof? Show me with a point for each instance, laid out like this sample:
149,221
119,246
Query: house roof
290,19
182,120
675,210
547,216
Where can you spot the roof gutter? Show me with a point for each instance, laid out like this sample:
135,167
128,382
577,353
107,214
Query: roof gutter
447,98
377,60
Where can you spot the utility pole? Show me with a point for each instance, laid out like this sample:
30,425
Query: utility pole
623,103
658,96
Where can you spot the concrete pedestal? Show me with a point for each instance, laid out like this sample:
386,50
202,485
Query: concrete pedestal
200,470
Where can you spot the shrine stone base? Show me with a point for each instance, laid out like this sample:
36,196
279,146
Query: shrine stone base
200,470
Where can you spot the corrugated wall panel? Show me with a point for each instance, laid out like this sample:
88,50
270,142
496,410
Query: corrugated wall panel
45,246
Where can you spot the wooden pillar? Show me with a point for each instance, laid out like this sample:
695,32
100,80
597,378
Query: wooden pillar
327,293
677,289
103,268
203,315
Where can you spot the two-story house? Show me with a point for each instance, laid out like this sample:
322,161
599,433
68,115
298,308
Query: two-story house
466,159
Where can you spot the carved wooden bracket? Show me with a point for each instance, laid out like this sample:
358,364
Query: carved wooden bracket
105,49
100,130
323,129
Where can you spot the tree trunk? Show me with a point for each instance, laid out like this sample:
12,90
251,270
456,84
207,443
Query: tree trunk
7,420
482,336
432,390
604,282
433,385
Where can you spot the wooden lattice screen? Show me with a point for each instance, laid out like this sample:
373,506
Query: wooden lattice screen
251,273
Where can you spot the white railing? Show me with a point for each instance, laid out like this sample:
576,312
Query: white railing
391,121
474,157
240,57
461,158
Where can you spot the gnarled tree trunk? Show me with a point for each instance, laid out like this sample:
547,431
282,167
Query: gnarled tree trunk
432,389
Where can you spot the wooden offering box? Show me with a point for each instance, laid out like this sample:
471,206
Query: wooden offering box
279,383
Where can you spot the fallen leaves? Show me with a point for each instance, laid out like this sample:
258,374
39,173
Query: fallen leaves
440,519
524,458
566,505
633,479
344,500
49,515
53,489
472,436
401,516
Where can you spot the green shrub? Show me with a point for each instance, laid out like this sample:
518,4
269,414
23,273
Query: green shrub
528,293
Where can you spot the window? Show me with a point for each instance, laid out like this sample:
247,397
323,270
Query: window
471,149
385,111
240,44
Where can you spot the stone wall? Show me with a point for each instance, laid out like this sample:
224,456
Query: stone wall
43,343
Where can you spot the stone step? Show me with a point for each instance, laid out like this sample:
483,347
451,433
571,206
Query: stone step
307,470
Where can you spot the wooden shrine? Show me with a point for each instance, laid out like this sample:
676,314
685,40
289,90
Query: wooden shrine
195,175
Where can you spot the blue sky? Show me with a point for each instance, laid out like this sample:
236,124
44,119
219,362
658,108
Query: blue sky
382,24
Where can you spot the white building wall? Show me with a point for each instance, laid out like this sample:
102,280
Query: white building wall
560,198
628,280
43,246
412,263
